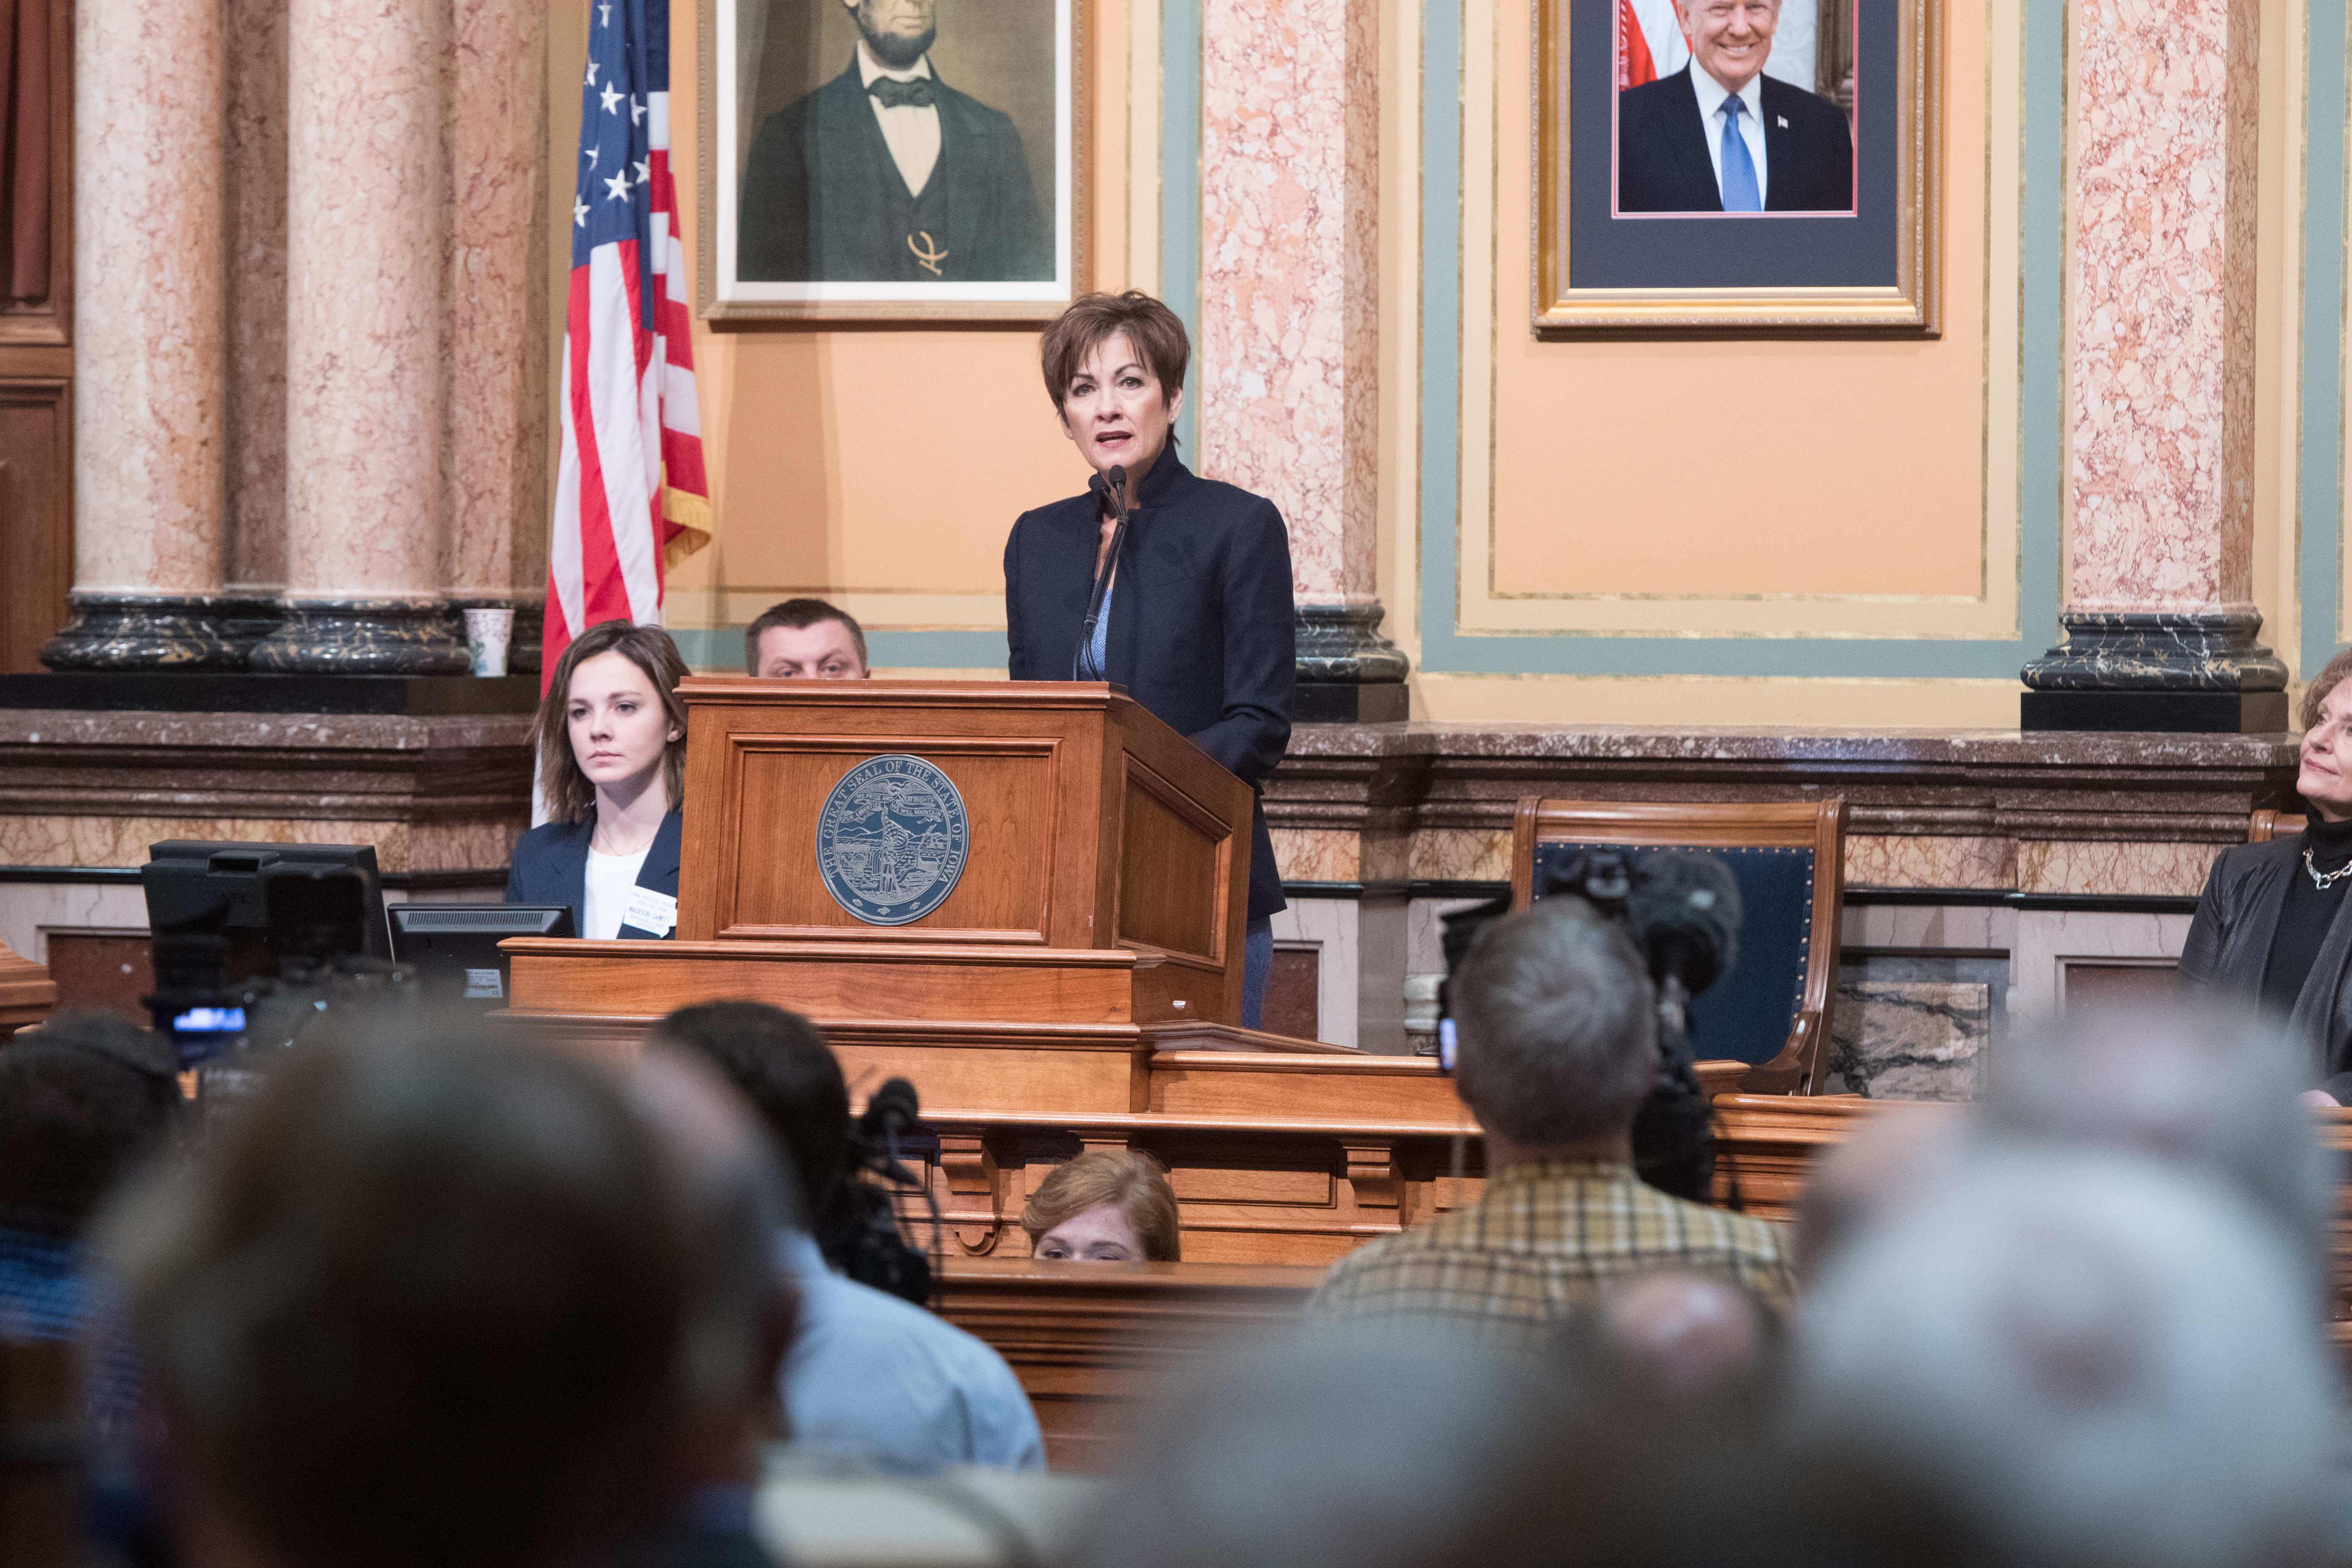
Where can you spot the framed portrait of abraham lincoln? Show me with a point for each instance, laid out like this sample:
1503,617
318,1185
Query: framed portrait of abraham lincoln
1748,166
891,160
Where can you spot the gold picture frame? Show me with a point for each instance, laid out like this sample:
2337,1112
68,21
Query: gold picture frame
723,125
1908,306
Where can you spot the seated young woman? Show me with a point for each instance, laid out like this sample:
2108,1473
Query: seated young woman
612,766
1108,1205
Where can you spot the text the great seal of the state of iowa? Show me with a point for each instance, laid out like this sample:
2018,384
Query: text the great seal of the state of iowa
892,839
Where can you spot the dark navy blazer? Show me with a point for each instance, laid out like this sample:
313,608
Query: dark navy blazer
1200,621
550,866
1663,163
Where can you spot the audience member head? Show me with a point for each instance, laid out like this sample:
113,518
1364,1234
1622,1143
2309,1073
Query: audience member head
1345,1445
2192,1086
1108,1205
740,1322
779,1063
2099,1358
82,1099
805,640
441,1302
612,722
1555,1029
1882,1164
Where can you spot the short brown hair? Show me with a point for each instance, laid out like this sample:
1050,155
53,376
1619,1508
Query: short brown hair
797,615
570,795
1157,333
1130,1178
2330,676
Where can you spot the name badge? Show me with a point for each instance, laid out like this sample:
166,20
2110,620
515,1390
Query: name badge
649,911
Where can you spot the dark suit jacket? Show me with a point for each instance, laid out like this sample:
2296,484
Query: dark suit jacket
550,866
818,193
1200,621
2230,942
1663,165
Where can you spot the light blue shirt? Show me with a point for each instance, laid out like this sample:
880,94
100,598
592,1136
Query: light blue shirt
1094,663
882,1380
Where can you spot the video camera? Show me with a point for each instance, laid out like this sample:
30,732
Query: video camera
1681,909
859,1233
255,943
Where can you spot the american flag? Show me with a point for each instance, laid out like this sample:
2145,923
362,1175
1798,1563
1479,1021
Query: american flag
631,499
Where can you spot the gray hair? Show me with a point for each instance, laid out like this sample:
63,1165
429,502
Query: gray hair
1556,1024
2195,1085
2095,1357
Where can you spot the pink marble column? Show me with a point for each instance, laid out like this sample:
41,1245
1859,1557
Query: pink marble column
148,365
497,413
1289,297
2160,412
257,295
366,341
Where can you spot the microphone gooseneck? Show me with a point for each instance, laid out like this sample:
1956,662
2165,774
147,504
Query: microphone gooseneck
1114,484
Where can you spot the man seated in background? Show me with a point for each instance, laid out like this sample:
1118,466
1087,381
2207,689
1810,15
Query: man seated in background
1556,1028
868,1374
451,1303
805,640
82,1099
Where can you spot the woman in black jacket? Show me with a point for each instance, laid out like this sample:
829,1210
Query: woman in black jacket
612,766
2270,928
1195,615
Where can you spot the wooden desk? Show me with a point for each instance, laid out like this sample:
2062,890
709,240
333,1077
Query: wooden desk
1090,1339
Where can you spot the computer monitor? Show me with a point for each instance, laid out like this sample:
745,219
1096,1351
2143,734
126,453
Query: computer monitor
267,901
453,948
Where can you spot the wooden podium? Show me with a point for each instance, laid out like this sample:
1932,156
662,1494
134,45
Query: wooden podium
1099,900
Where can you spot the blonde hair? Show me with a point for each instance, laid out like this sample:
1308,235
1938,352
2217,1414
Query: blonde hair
1130,1178
570,795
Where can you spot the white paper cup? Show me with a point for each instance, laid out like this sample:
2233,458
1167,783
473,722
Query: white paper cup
486,634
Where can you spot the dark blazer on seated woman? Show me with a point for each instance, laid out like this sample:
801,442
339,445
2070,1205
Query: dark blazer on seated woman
2272,930
1200,620
550,866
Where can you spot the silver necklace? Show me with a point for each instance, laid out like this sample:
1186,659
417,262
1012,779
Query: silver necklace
2331,879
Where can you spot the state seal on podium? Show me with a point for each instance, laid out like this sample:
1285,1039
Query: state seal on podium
892,839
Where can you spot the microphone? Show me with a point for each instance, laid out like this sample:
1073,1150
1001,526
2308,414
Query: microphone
1116,483
1685,915
890,1111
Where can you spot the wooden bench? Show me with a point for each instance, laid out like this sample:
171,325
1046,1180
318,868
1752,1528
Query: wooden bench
1090,1339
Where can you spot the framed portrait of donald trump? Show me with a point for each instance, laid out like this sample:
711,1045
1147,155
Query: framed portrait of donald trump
892,160
1737,164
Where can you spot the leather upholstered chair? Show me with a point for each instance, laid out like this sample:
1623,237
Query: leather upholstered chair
1761,1027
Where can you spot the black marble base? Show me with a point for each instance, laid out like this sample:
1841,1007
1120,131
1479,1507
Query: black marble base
415,696
1352,703
186,632
2154,651
1343,642
2172,713
364,636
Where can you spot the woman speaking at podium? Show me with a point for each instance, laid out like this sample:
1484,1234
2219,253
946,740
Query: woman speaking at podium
611,763
1188,604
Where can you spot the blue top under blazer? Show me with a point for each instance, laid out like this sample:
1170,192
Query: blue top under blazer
1201,629
550,866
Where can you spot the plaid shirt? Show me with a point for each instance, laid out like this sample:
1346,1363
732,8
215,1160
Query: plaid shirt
1541,1242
